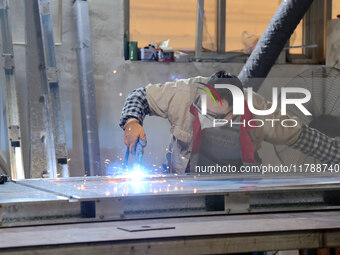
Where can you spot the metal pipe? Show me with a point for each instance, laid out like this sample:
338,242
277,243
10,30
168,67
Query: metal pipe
199,28
221,18
272,41
87,89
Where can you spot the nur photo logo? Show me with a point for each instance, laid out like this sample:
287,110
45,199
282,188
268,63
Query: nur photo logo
238,105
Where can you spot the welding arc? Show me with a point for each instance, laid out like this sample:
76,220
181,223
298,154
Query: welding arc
212,89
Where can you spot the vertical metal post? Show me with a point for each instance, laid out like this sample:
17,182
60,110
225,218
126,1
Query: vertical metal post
87,89
4,144
199,28
13,120
126,28
43,156
52,78
221,18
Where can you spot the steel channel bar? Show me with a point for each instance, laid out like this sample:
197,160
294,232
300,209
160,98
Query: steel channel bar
13,119
51,65
43,155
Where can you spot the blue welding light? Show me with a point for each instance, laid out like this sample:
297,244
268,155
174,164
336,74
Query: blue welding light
136,172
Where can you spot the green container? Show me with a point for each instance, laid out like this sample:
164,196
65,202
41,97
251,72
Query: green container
133,51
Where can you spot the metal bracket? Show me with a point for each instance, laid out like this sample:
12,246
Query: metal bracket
45,8
52,74
61,151
3,4
8,61
109,209
14,133
237,202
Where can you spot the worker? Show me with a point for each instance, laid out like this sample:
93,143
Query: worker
196,141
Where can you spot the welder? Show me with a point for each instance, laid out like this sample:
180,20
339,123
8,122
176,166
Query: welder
195,141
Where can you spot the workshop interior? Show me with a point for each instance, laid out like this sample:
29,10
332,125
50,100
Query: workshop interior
170,127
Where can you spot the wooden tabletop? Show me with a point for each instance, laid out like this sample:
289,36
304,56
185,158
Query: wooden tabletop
266,232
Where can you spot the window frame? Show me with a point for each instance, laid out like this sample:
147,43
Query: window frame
318,14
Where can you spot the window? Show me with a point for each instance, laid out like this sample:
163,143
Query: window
214,29
296,40
155,21
247,18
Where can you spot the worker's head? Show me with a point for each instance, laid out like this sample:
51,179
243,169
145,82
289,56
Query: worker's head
222,77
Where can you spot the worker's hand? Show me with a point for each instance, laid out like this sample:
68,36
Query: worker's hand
138,147
133,131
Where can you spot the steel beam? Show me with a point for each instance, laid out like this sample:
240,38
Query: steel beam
42,151
53,81
87,90
12,109
4,145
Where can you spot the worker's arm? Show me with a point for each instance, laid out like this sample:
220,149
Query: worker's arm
170,100
132,116
301,137
318,145
136,107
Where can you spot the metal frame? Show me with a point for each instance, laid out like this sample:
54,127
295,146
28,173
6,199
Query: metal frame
12,109
257,215
220,54
82,199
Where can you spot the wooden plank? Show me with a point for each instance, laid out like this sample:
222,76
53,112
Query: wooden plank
185,245
266,225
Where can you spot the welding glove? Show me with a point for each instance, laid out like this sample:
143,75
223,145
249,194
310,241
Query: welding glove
134,131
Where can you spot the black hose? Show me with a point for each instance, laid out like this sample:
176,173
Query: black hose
272,42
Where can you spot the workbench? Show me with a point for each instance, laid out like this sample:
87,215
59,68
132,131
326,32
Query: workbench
168,215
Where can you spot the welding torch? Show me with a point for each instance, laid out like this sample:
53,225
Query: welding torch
137,150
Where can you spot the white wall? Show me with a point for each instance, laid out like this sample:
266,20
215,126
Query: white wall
106,17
